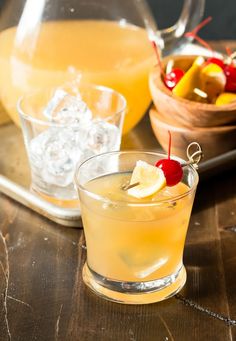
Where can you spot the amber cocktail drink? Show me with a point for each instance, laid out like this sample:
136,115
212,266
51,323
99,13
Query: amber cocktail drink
134,246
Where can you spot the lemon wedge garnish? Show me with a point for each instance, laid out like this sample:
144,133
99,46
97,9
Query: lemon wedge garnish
190,80
151,179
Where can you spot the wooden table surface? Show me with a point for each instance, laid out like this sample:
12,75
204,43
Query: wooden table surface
42,296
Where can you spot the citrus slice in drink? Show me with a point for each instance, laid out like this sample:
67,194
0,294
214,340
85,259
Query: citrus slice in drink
149,180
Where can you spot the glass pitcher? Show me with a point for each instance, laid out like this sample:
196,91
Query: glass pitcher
50,42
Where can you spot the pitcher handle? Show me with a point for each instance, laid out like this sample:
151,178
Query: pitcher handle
173,37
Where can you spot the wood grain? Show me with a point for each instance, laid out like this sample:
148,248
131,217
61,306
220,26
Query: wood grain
42,296
47,300
214,141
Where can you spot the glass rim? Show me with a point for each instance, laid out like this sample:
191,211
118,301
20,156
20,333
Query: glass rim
135,203
32,119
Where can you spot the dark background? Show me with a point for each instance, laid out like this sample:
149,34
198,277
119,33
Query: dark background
223,25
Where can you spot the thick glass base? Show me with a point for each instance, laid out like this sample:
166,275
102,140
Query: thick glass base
64,203
134,292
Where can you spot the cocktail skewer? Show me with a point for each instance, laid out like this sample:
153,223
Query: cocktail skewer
193,159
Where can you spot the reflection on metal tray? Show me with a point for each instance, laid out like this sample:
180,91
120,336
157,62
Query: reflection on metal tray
15,174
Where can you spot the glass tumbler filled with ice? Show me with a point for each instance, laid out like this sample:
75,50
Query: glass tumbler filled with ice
62,128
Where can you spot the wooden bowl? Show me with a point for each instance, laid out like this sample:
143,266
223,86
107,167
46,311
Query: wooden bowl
183,112
213,140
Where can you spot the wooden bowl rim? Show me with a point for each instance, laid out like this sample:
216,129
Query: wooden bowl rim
160,118
157,80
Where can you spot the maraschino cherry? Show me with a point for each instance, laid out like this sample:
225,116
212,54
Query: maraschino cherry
230,72
172,78
171,168
217,61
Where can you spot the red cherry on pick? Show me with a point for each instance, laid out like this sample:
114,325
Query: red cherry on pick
230,72
172,78
217,61
172,170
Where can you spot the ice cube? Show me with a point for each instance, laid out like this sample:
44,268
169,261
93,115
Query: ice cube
144,261
87,153
66,109
55,152
54,155
37,148
54,102
103,136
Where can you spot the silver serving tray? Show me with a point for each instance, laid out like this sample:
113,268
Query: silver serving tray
15,179
15,174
